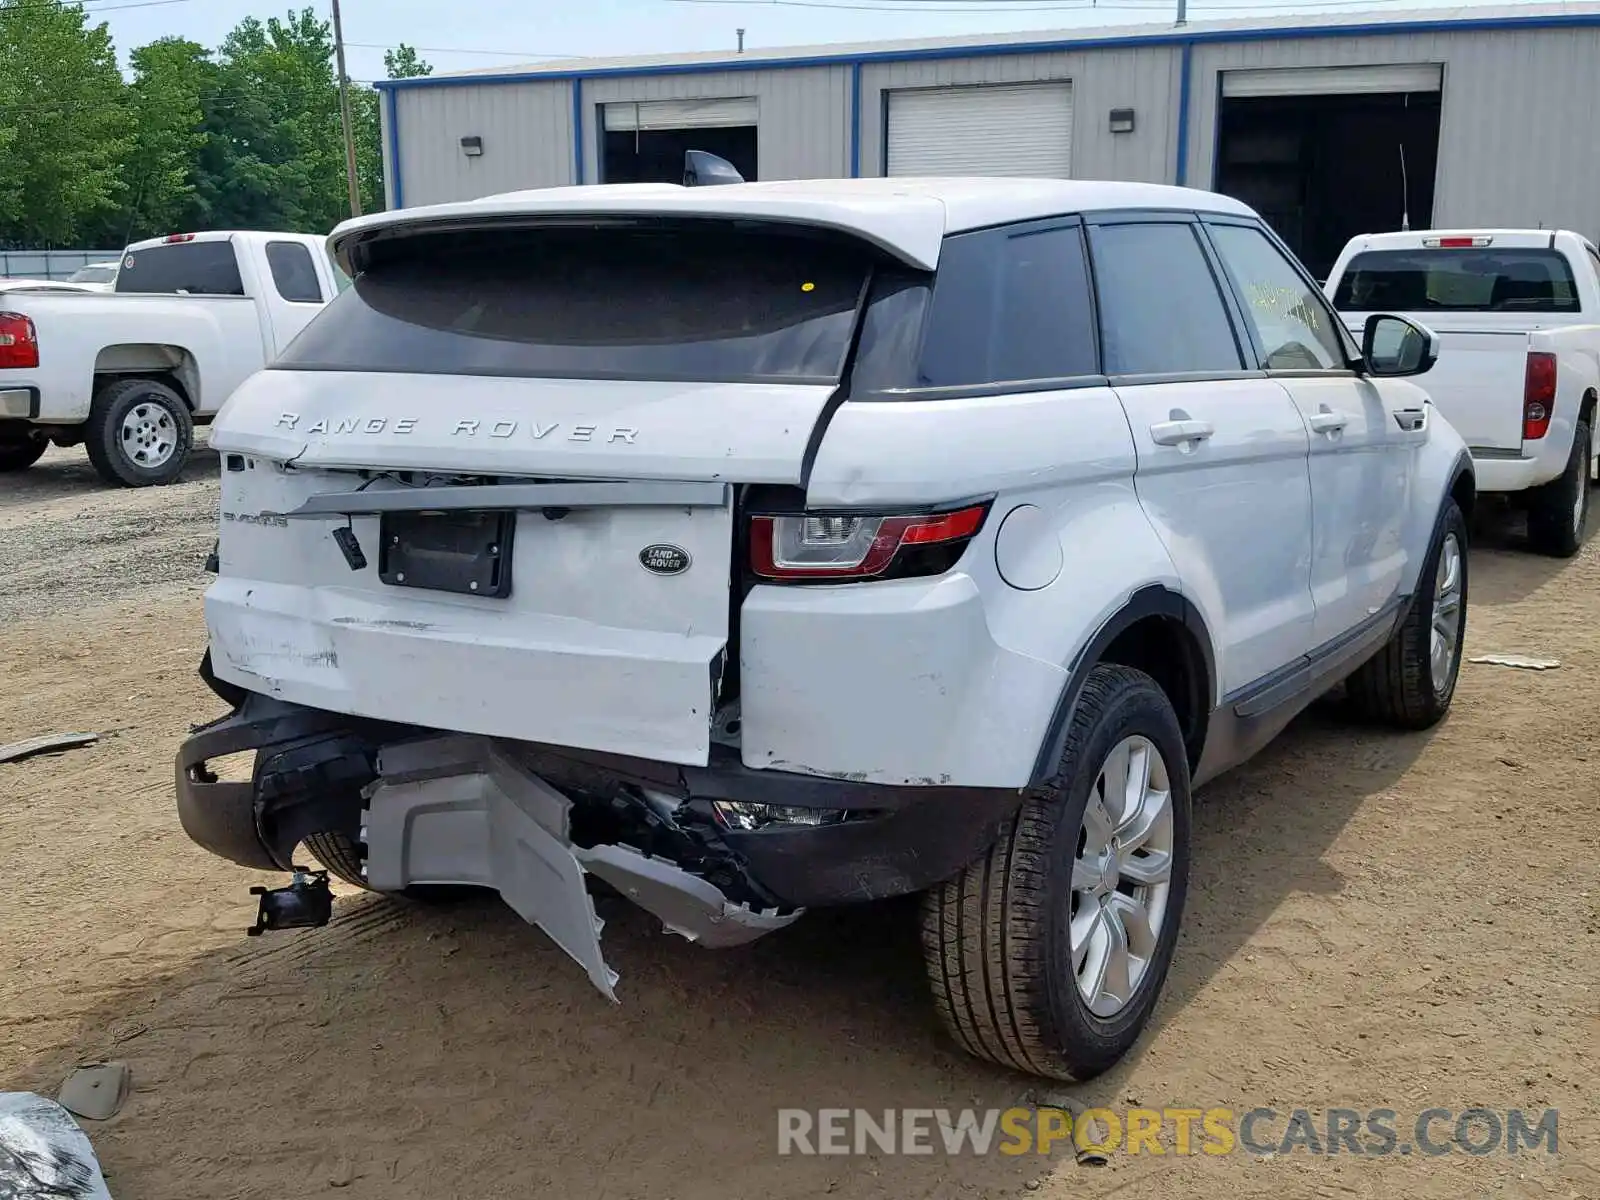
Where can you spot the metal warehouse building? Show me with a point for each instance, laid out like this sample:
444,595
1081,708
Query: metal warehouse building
1328,126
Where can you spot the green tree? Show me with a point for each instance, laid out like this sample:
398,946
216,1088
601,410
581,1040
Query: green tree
65,124
173,79
402,62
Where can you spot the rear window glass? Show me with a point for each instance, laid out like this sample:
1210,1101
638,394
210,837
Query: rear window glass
1467,280
671,300
293,272
198,268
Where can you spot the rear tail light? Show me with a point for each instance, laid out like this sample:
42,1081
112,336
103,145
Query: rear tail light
825,546
1456,243
19,348
172,239
1538,395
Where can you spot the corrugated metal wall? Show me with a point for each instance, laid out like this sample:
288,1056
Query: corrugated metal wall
526,130
1516,138
1142,78
804,114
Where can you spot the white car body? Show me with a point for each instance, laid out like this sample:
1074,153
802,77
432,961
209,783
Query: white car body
1274,522
1480,381
202,346
97,277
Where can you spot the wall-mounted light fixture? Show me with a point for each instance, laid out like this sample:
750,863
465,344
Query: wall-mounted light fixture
1122,120
472,147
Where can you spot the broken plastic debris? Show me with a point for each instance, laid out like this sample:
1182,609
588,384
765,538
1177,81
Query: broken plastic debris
1522,661
96,1091
43,1153
50,743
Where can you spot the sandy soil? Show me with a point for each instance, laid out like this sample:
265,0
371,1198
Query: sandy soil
1376,921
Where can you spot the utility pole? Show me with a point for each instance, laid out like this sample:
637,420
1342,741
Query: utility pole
344,114
1183,12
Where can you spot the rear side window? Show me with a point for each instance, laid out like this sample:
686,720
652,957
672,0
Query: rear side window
1009,307
1464,280
197,268
1160,308
293,273
709,301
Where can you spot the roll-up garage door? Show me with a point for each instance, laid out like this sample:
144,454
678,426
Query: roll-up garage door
1333,81
1005,129
719,113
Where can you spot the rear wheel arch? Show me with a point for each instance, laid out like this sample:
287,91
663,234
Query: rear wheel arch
1158,631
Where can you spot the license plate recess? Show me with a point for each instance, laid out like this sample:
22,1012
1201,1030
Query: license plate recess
465,551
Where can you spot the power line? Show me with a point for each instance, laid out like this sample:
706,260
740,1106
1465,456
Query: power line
83,5
525,55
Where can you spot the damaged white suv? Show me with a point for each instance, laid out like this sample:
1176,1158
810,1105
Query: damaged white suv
769,546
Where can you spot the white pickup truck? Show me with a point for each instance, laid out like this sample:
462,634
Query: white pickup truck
1518,316
129,374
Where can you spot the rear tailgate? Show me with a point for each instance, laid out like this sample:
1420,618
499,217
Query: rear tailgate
1483,292
598,398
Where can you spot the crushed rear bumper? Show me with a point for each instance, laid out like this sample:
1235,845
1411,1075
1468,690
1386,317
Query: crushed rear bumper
314,770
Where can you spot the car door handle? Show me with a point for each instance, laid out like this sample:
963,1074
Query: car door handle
1328,421
1177,433
1411,419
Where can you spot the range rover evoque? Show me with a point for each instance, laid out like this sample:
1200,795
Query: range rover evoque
761,547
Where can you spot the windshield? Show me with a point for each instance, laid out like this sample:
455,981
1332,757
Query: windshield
1457,281
96,273
700,300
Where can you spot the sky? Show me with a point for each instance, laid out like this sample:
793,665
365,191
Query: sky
507,32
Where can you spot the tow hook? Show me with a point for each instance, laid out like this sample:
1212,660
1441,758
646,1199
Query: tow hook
307,903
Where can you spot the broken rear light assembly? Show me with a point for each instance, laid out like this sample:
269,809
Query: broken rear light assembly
740,817
838,547
1538,395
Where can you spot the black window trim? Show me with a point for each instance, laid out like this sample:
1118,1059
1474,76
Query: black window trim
1346,342
1244,344
1056,383
266,255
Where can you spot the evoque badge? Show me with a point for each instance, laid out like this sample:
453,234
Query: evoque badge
662,559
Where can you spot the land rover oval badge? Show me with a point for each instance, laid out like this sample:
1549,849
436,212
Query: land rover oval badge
662,559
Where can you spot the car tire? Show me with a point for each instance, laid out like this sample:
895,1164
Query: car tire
1012,943
140,433
1399,686
340,855
1558,510
19,456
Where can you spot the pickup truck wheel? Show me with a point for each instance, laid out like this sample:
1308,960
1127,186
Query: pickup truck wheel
1048,954
340,855
1558,510
19,456
140,433
1410,682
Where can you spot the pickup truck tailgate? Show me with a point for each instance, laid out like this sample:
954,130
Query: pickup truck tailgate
1477,383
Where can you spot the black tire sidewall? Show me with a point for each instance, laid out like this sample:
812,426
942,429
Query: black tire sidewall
1551,527
19,456
1091,1043
114,405
1451,520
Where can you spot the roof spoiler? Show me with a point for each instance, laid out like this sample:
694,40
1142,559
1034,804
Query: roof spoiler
703,169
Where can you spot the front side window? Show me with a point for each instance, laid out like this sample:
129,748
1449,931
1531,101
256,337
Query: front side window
1291,321
692,300
1009,307
1160,308
293,273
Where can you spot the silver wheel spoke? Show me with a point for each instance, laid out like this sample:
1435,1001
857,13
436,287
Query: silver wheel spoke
1097,825
1114,781
1107,973
1085,875
1147,869
1152,809
1138,934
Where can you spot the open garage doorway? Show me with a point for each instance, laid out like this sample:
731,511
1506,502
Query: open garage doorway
645,141
1326,153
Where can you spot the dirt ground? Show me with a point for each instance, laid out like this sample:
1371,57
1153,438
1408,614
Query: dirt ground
1376,921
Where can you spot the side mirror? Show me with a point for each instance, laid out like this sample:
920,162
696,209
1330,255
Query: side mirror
703,169
1393,346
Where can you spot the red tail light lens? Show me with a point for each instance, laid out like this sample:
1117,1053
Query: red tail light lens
173,239
822,546
1538,395
19,348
